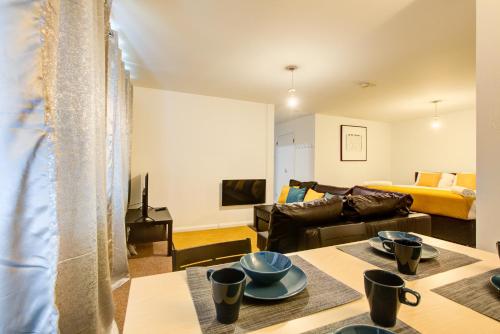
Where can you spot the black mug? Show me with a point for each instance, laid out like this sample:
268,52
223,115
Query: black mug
407,253
385,292
228,287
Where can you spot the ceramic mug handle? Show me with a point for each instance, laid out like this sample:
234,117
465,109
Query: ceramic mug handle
209,273
405,300
388,245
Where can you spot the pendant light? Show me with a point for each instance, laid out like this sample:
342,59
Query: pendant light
436,121
292,100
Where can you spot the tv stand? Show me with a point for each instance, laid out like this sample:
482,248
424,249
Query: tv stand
157,226
146,219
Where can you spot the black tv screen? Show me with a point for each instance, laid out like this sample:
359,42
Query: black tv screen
242,192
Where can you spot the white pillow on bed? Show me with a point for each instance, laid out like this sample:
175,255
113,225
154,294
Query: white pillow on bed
446,180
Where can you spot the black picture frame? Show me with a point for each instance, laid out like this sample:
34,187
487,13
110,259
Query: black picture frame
356,130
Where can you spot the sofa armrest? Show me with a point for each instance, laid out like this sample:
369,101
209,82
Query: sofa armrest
261,217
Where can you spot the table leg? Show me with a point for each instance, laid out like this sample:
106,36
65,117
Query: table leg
170,239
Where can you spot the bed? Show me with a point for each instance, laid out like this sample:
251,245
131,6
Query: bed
453,215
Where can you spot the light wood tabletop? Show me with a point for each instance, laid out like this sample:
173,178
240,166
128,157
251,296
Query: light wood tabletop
162,303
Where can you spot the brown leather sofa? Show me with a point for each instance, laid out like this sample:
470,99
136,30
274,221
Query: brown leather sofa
354,214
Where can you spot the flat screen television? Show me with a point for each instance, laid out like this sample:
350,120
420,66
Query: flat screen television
145,197
243,192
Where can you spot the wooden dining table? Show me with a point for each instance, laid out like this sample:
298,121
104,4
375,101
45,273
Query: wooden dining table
162,303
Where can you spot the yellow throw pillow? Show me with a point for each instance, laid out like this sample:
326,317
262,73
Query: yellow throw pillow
466,180
428,179
311,195
284,194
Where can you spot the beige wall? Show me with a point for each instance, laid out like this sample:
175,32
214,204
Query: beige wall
189,143
418,147
488,122
328,169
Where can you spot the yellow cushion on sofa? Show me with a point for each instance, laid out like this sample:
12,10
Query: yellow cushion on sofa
466,180
311,195
284,194
428,179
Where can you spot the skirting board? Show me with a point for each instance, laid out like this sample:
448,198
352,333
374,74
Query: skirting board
210,226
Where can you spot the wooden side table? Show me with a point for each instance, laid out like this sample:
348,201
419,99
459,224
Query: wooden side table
150,231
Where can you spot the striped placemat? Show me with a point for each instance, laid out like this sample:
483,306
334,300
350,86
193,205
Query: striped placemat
447,260
476,293
322,292
362,319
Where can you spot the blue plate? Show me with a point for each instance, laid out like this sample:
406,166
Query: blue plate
495,281
293,283
428,252
363,329
393,235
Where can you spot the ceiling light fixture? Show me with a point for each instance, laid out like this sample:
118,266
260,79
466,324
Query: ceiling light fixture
436,122
366,84
292,100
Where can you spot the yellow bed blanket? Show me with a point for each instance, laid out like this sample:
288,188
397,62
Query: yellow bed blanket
437,201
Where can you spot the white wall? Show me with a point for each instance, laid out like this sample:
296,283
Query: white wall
418,147
328,169
488,122
302,129
189,143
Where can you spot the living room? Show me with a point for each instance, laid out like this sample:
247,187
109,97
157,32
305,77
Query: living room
197,134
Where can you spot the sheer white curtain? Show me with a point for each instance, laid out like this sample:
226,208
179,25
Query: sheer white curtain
118,157
61,237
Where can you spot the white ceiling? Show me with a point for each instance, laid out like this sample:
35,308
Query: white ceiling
414,51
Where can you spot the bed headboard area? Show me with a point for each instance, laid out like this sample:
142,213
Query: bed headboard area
416,175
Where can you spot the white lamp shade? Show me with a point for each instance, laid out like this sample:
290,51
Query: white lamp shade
292,101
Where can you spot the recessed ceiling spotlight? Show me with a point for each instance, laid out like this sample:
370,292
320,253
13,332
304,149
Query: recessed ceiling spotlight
366,84
292,100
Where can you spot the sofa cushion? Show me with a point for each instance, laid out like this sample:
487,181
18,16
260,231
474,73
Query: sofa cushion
319,212
287,220
296,195
284,194
365,202
312,195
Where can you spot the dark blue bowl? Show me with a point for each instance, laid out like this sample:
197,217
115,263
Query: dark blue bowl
393,235
265,268
363,329
495,281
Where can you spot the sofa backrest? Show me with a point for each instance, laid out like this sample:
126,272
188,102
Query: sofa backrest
341,191
300,184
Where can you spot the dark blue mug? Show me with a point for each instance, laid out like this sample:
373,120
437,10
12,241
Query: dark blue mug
228,287
385,292
407,253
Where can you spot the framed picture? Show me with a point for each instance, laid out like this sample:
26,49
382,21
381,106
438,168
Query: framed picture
353,143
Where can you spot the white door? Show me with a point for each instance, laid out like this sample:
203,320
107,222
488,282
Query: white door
304,162
285,161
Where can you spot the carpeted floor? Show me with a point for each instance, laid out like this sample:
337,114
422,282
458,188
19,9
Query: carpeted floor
152,259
